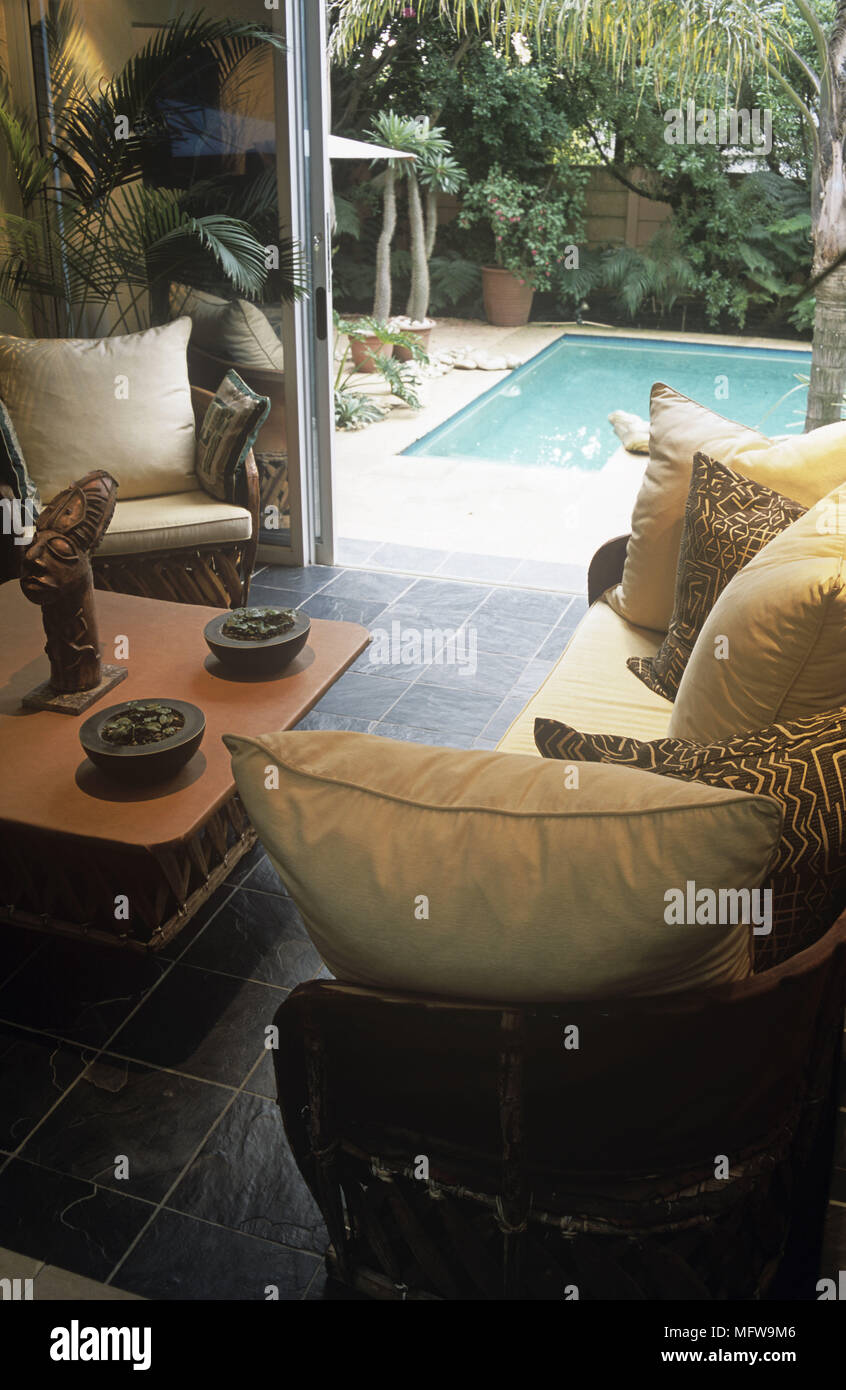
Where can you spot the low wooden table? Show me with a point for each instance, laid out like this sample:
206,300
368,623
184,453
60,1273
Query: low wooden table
72,840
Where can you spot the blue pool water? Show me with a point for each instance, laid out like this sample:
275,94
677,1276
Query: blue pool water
553,411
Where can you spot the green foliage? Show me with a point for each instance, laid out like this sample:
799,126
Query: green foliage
660,273
454,279
529,228
354,410
141,723
108,246
258,624
400,377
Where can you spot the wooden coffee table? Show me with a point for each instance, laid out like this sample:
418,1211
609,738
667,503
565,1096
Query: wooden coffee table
73,841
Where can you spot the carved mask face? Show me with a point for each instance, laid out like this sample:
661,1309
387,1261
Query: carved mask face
67,530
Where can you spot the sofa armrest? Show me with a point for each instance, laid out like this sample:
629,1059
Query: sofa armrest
606,567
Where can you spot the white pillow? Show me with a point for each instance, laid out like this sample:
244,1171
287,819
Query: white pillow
491,876
120,403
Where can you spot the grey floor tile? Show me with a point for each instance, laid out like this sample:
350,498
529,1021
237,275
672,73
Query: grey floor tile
495,569
343,610
360,697
444,711
263,596
504,717
414,559
511,636
557,642
305,579
179,1257
487,671
358,584
532,677
321,719
525,605
349,551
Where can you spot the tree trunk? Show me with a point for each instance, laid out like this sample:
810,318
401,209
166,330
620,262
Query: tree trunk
382,295
418,299
828,362
431,221
828,216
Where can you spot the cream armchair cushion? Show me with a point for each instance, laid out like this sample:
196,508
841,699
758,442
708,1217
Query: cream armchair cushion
174,522
804,468
487,876
123,403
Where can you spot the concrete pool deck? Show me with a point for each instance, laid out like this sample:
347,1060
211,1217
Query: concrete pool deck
546,515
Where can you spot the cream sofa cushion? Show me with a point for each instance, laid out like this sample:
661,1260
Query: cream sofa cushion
486,876
180,520
773,647
804,468
591,688
120,403
233,329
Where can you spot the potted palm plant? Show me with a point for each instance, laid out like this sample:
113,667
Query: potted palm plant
532,231
434,171
397,133
97,248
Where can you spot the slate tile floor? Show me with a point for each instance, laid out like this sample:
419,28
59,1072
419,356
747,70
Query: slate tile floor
140,1143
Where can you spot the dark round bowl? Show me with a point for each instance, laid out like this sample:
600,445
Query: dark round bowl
149,762
256,658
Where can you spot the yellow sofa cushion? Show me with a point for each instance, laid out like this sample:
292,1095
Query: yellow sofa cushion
121,403
174,522
486,876
804,469
592,689
773,647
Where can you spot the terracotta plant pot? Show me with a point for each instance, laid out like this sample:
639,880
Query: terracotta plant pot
508,301
364,350
403,354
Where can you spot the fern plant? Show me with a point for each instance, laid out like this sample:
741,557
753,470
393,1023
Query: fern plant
96,248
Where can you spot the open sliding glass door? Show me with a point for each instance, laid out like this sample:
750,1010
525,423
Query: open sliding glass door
302,106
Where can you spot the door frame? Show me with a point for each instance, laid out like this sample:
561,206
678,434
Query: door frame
303,178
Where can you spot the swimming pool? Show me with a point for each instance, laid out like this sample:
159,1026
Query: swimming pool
553,411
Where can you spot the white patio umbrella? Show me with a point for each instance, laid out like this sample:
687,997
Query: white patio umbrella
342,148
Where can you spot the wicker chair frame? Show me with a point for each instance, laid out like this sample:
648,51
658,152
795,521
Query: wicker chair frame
553,1172
216,575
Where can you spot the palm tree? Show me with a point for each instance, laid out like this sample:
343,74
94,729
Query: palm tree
435,171
400,133
713,44
94,242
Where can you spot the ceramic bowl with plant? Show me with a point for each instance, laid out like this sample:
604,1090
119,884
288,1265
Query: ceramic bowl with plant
143,740
257,641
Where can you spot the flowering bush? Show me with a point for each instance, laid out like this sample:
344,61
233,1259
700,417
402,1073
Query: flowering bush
530,226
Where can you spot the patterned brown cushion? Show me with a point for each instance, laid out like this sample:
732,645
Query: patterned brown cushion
728,519
802,765
230,425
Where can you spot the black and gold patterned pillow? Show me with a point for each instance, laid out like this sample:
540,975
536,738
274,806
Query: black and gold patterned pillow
234,417
727,520
802,765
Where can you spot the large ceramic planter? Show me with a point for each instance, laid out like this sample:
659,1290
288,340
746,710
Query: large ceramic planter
404,354
508,301
364,350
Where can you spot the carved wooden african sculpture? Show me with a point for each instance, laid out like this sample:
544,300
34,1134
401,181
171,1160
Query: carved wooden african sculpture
56,574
